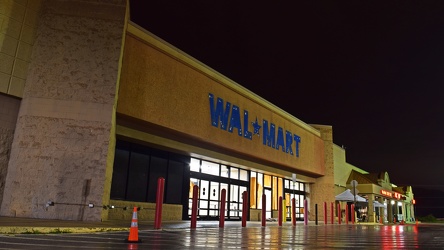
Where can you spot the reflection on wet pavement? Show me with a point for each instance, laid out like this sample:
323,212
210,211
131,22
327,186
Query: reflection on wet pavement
303,237
361,236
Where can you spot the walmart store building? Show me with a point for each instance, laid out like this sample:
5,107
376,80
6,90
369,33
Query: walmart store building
95,109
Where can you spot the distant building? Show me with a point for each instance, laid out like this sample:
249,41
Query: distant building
385,201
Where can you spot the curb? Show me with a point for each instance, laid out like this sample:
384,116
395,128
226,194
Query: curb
57,230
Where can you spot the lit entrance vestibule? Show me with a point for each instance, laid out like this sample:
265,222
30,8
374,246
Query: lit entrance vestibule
294,190
211,178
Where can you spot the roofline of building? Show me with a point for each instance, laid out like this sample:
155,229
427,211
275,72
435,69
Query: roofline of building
171,50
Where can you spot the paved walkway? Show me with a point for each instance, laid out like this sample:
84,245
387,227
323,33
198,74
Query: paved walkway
11,225
178,235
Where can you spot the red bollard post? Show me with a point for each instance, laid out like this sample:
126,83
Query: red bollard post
346,214
325,213
222,208
159,202
352,213
194,207
280,211
332,213
305,212
244,208
264,208
339,213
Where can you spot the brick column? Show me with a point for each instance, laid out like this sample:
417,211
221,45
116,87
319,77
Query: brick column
381,210
370,212
324,190
64,140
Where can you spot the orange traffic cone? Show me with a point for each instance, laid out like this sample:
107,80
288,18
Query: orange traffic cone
134,232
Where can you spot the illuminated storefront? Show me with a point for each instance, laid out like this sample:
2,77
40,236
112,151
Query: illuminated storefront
385,202
117,109
211,178
228,137
107,113
137,168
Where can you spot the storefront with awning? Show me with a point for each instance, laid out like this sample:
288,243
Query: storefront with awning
385,202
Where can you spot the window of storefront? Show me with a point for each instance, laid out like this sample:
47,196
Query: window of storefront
137,169
273,187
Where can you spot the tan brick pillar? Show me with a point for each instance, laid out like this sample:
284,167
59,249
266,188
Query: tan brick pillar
64,141
370,208
381,210
323,189
389,211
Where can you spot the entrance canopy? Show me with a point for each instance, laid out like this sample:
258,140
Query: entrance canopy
378,204
348,196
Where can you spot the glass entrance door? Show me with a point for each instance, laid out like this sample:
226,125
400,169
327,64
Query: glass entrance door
268,212
211,178
209,196
234,204
294,190
213,201
299,203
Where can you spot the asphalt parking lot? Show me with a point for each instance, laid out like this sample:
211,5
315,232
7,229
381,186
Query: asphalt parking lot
209,236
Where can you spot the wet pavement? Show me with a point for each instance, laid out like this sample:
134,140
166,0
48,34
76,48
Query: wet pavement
208,235
423,236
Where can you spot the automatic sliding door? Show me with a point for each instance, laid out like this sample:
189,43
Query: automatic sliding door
268,211
235,208
234,201
211,178
203,198
214,199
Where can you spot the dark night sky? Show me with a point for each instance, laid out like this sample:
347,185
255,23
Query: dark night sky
374,70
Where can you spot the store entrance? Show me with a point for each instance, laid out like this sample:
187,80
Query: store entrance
211,178
297,191
209,199
299,204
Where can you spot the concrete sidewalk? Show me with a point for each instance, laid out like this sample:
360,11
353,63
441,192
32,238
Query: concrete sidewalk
17,225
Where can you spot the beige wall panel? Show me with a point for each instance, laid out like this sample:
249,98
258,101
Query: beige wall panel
164,91
63,144
8,118
4,82
18,24
16,87
170,212
342,169
6,63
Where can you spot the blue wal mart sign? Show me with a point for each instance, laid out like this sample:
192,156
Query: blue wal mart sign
229,121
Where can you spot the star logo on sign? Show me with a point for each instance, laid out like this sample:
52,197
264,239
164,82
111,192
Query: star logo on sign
256,127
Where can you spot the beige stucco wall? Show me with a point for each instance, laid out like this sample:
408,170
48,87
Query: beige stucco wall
170,212
63,143
18,23
8,118
342,169
168,94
